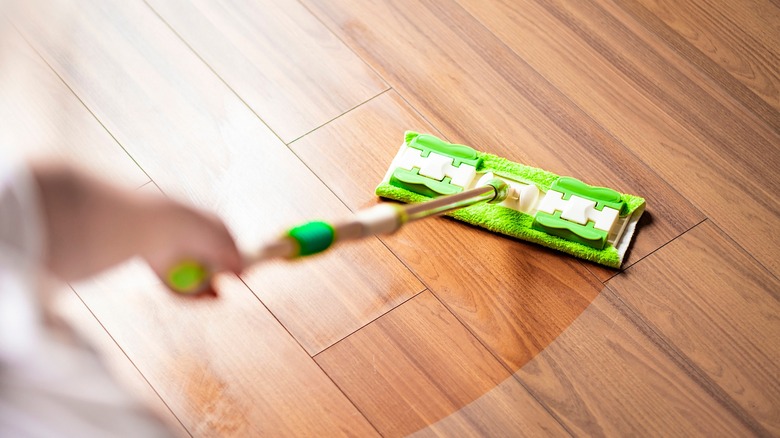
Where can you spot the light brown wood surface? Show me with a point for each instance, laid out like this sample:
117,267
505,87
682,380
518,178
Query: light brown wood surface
225,366
43,119
499,412
392,381
280,59
732,49
270,113
603,376
719,313
760,20
70,307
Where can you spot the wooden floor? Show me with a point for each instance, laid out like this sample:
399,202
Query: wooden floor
273,112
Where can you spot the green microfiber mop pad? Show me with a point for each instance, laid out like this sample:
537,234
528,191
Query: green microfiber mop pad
511,222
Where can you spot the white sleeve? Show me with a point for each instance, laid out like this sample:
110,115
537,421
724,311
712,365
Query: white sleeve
49,386
21,254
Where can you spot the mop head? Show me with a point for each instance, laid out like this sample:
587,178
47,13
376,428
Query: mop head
562,213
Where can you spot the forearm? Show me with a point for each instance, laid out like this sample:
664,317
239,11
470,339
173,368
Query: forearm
89,224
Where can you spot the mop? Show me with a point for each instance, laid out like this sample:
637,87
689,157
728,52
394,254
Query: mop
435,177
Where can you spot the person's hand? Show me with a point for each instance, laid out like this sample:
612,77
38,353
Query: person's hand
91,225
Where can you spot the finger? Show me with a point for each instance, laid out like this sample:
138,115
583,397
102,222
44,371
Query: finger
220,248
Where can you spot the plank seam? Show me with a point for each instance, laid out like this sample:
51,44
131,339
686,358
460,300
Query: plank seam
650,253
374,70
307,354
314,356
584,114
277,137
344,43
491,351
143,376
654,335
337,117
144,185
512,373
73,92
694,123
748,254
691,54
348,398
683,362
335,383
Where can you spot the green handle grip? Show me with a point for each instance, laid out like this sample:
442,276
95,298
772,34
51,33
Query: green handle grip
188,277
312,237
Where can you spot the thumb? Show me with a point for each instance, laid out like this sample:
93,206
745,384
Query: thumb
193,246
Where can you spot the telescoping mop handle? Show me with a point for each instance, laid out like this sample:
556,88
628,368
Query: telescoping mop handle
192,277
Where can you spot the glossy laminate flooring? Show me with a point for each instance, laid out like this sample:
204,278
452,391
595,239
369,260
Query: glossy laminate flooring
271,112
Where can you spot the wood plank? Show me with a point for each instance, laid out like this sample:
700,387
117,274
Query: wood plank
74,311
225,366
636,116
364,141
761,20
493,414
281,60
678,86
43,119
603,377
516,297
748,146
416,365
717,308
721,47
719,117
444,61
200,143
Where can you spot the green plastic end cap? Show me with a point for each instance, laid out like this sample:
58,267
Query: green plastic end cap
312,237
188,277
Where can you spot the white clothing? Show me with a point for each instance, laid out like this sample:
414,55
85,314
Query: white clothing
50,384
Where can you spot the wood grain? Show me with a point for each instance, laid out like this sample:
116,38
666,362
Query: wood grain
743,151
284,64
364,141
675,102
604,377
721,44
493,414
200,143
676,85
72,309
225,366
636,117
417,364
444,62
43,119
516,297
718,308
760,20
